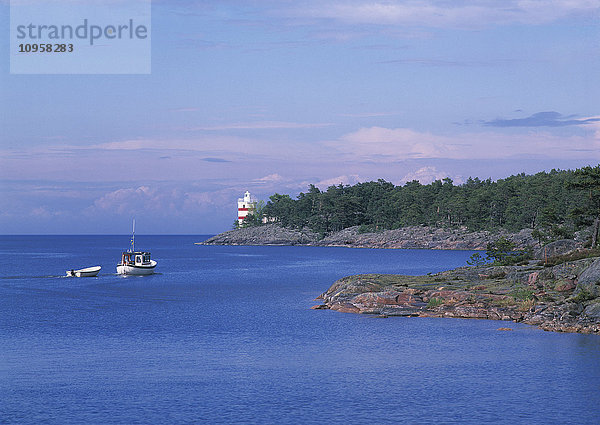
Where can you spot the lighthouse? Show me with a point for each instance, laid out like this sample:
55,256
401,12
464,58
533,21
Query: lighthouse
246,205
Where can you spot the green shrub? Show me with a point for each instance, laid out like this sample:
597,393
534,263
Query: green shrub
572,256
582,297
369,228
434,302
522,294
476,260
503,252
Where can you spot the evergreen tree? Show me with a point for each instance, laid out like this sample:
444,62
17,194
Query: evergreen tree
587,179
542,202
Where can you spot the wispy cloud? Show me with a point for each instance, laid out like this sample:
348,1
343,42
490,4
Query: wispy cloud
160,199
199,44
382,144
391,13
441,13
260,160
186,110
541,119
261,125
369,114
395,143
207,148
446,62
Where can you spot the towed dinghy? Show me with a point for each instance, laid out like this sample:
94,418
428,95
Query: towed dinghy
87,272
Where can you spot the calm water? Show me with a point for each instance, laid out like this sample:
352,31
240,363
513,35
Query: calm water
226,335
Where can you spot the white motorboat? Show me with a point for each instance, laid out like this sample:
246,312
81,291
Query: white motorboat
87,272
135,262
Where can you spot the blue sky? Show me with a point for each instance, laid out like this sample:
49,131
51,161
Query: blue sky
270,96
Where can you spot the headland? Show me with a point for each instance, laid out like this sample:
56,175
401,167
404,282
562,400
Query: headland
564,297
411,237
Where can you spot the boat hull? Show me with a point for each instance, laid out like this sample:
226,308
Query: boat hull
87,272
136,270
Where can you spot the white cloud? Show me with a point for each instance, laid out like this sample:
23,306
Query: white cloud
43,212
271,178
426,175
392,144
594,126
128,200
196,144
220,146
274,165
334,181
440,13
160,200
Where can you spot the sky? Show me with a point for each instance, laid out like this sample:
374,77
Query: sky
271,96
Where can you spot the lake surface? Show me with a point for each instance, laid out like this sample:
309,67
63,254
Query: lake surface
225,334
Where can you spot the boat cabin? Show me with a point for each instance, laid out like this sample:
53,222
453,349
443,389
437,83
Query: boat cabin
135,258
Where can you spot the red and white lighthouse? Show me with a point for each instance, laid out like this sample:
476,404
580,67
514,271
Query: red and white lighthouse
246,205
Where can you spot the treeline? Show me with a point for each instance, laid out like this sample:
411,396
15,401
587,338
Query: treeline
555,203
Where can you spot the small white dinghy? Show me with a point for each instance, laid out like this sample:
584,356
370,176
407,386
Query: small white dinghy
87,272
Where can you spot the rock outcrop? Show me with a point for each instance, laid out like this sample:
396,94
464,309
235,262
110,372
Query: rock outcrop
420,237
560,247
588,283
559,298
270,234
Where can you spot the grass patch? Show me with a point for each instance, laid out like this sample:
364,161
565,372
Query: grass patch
582,297
369,228
526,305
522,294
503,302
435,302
572,256
496,274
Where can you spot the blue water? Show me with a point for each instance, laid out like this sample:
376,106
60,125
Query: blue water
226,335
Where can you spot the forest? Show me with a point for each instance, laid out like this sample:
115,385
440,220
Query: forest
555,204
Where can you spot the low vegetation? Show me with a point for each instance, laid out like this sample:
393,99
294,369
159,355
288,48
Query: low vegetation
434,302
503,252
571,256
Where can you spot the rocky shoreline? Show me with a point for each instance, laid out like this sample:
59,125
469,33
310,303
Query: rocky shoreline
413,237
562,298
270,234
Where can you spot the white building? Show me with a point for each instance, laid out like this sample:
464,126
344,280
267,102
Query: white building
246,205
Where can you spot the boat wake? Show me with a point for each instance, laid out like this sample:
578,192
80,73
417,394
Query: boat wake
39,277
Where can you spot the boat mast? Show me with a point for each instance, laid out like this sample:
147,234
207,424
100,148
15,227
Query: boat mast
133,237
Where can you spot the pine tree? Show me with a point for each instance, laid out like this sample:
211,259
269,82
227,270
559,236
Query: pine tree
588,179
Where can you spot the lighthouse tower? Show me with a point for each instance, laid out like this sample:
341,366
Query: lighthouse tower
246,205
